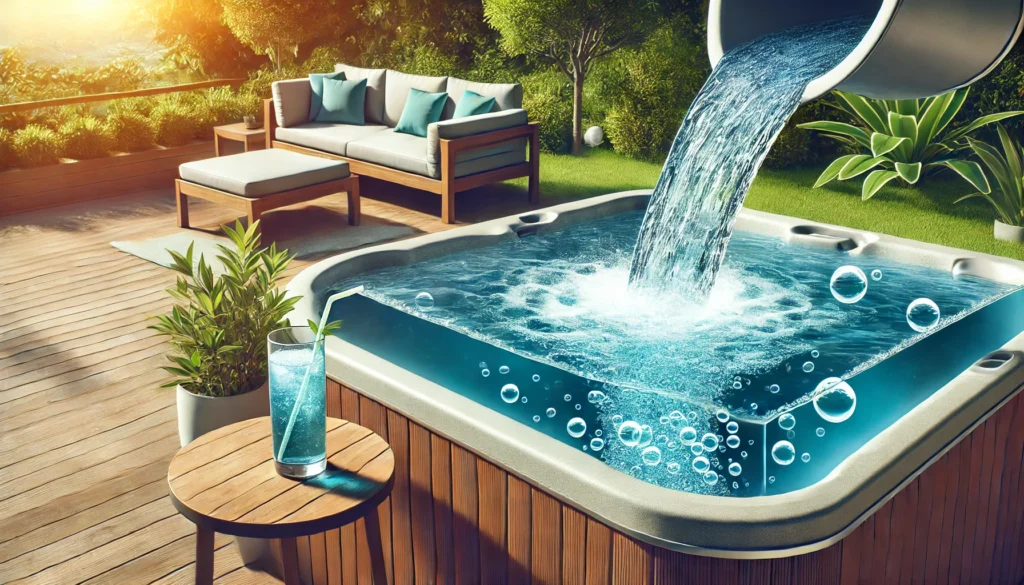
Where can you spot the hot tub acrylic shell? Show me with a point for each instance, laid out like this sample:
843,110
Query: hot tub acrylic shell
772,526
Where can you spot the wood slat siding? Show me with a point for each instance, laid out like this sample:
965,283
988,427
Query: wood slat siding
29,189
455,517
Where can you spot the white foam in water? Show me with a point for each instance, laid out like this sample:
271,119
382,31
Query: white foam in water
725,136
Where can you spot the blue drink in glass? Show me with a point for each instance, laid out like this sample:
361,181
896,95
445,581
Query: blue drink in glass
294,359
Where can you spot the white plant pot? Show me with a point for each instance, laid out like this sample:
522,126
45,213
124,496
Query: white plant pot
198,415
1009,233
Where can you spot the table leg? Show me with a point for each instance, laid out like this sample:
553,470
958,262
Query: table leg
216,144
290,558
373,541
354,211
182,200
204,556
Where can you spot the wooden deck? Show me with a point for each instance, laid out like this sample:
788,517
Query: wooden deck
86,432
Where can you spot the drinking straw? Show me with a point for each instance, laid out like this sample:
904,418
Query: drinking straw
305,379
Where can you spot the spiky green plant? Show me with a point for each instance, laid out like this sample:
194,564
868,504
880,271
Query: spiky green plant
219,325
903,139
1006,170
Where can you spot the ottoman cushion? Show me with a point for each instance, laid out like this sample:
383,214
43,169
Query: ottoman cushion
262,172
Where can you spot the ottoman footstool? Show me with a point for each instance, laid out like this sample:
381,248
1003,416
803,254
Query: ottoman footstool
258,181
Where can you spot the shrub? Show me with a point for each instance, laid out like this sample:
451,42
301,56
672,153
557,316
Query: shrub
1005,190
6,152
36,145
84,137
548,100
662,77
130,131
175,123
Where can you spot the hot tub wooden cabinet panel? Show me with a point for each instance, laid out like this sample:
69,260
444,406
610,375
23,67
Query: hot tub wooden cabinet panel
456,518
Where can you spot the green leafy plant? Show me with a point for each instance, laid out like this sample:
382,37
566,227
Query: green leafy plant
1006,194
219,325
130,131
36,146
175,123
85,137
902,139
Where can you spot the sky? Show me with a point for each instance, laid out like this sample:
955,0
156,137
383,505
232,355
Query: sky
71,31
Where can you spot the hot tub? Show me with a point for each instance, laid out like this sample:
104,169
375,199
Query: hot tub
507,485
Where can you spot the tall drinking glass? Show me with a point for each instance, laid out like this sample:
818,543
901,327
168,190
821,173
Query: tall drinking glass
298,410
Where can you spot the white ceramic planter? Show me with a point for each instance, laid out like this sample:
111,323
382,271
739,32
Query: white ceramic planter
198,415
1009,233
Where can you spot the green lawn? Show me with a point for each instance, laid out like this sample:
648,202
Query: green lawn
926,214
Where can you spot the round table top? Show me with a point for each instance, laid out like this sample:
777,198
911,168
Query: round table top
225,481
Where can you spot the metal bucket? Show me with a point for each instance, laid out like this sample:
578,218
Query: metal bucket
914,48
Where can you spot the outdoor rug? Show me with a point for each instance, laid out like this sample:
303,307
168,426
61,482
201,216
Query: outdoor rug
312,244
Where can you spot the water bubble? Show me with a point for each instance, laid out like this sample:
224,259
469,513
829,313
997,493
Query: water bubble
790,434
482,364
787,421
692,416
834,400
737,385
722,415
696,448
688,435
753,406
806,457
876,275
848,284
732,441
701,464
750,442
510,393
485,372
597,443
617,419
536,378
709,442
595,397
663,420
743,454
922,315
651,456
550,412
820,432
629,433
424,301
568,397
672,445
672,467
646,436
536,418
774,388
523,400
503,370
733,427
577,427
661,440
676,415
783,453
598,433
735,469
635,471
711,478
771,479
815,353
808,367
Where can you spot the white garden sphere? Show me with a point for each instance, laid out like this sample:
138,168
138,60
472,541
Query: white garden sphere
594,136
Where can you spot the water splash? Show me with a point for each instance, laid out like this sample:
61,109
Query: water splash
725,136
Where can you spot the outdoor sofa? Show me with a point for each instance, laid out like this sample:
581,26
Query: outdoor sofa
454,156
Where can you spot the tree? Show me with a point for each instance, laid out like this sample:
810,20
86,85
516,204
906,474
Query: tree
197,38
571,33
277,28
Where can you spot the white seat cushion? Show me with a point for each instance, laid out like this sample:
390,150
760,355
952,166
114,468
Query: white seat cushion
332,138
262,172
396,150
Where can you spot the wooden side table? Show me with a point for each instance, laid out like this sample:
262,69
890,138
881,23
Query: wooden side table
251,139
225,482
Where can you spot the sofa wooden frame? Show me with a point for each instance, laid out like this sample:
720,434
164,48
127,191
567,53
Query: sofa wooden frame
448,185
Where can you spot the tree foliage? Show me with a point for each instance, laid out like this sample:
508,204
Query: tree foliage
278,28
197,39
570,33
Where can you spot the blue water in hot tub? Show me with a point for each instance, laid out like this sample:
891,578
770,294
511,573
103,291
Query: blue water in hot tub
553,315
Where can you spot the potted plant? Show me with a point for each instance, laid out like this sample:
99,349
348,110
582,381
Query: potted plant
218,329
1005,188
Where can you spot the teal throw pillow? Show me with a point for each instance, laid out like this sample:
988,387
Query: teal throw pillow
421,110
316,84
344,102
473,104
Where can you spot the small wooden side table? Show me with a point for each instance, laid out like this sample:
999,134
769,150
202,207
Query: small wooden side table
225,482
251,139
